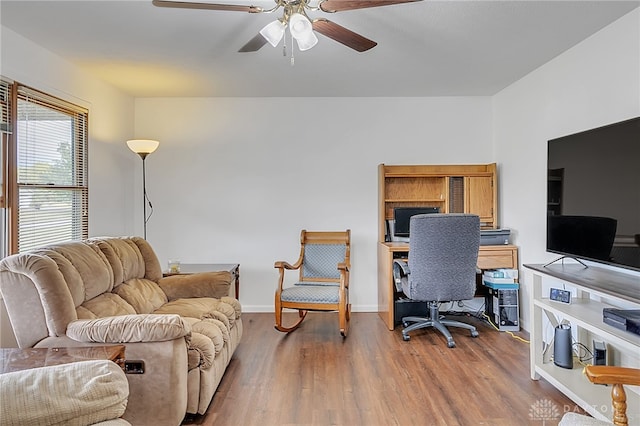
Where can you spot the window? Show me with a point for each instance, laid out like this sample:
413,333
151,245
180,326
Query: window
49,201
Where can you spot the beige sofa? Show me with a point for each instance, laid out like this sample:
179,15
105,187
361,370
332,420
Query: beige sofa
111,290
78,394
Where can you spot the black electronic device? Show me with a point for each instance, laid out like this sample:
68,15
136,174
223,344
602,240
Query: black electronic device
492,237
559,295
562,346
623,319
502,307
601,161
402,218
599,353
404,307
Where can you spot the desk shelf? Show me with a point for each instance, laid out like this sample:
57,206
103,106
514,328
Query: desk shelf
468,188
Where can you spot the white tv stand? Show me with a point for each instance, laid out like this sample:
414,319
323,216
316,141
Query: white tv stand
595,288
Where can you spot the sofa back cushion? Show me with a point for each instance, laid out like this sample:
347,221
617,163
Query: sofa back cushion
144,295
129,257
84,270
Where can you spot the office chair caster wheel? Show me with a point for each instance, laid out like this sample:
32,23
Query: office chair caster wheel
474,333
406,337
451,344
405,324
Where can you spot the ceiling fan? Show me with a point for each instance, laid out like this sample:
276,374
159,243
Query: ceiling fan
296,19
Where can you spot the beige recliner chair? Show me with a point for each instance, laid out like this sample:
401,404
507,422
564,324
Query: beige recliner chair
111,290
79,394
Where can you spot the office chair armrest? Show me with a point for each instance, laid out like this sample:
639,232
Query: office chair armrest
612,375
404,266
344,266
400,271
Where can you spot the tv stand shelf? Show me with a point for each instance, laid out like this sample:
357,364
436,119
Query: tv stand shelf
595,288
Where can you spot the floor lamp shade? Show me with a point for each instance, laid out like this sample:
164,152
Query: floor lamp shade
144,147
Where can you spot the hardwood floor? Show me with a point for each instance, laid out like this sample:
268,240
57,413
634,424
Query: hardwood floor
315,377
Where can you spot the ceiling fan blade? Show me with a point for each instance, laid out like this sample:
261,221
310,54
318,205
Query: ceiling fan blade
332,6
343,35
254,44
208,6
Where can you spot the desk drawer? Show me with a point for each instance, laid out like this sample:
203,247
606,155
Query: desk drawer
497,259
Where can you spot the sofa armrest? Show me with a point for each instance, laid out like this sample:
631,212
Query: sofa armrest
202,284
129,329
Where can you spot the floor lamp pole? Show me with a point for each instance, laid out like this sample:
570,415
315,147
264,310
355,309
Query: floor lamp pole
144,194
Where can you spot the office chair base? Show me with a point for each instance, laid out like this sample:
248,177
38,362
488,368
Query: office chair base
439,324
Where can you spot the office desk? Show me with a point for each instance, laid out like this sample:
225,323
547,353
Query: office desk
489,257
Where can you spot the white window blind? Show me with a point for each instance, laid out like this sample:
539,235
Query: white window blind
5,129
52,184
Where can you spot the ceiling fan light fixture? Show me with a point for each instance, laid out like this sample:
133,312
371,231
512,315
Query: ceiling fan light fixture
307,42
273,32
302,30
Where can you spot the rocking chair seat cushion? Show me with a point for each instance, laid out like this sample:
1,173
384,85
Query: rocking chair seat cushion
328,294
317,283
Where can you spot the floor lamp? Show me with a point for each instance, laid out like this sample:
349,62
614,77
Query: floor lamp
144,147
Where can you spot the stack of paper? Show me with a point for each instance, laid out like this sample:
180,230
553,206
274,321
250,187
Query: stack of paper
491,277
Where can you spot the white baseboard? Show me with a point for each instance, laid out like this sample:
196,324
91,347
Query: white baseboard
269,308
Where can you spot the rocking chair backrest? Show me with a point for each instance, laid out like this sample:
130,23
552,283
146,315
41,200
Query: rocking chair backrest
321,253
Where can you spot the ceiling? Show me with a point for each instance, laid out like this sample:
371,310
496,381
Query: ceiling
427,48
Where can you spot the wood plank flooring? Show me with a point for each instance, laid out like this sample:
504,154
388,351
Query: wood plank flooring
315,377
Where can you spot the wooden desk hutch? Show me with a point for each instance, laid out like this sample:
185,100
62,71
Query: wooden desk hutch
453,189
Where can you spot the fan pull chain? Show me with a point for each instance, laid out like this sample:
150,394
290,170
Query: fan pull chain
284,46
292,49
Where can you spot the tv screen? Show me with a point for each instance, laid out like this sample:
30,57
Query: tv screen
401,215
593,195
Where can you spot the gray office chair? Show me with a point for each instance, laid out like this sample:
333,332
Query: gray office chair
443,254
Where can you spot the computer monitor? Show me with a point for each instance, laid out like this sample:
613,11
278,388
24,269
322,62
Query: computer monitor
401,216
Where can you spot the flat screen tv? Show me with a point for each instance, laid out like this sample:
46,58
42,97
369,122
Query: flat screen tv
593,195
402,216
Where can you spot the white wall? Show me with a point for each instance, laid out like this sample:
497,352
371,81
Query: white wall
235,180
595,83
111,122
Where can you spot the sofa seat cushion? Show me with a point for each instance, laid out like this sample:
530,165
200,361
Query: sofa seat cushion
200,307
144,295
105,305
80,393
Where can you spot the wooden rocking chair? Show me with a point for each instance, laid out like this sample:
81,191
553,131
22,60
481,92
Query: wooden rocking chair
617,377
323,283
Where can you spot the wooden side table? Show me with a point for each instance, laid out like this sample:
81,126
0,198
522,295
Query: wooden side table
194,268
16,359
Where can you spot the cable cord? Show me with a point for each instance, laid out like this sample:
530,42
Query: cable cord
508,332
